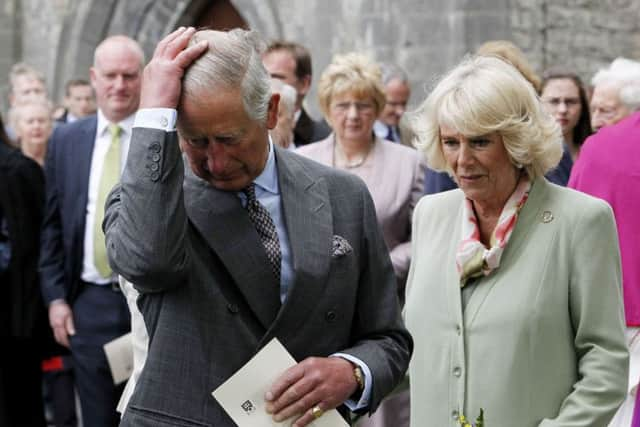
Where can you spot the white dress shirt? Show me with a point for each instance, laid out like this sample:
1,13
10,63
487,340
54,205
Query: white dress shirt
100,148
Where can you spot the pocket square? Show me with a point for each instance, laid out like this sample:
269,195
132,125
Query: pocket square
341,247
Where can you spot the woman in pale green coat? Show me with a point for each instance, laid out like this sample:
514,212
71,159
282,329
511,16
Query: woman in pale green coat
513,297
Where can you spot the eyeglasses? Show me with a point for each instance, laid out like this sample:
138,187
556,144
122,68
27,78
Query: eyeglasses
360,106
605,113
569,102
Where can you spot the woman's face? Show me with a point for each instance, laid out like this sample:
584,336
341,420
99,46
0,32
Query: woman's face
481,166
561,97
352,117
34,124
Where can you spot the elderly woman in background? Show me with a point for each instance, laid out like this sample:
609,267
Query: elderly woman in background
33,123
566,100
616,92
513,297
351,96
282,134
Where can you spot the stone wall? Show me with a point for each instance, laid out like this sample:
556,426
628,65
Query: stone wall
426,37
581,35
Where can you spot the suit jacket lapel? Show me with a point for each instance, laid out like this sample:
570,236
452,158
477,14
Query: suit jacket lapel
80,153
307,213
226,227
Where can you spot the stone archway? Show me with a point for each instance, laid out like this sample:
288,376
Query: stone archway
87,22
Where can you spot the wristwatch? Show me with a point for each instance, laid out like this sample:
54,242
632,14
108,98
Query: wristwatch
359,376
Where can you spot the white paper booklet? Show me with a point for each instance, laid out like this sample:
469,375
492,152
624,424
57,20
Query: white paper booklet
119,354
242,395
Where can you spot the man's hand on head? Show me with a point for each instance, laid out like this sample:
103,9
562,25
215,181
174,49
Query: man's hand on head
325,382
162,77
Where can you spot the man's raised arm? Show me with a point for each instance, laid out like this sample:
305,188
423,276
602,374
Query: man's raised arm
145,220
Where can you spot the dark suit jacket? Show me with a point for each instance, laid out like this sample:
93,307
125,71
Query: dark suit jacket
67,169
209,299
22,204
307,130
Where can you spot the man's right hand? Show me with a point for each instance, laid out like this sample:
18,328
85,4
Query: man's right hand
61,321
162,77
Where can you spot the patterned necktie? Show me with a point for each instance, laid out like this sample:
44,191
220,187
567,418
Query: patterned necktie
391,135
109,178
266,228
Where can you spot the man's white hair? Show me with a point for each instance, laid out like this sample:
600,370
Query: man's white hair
233,60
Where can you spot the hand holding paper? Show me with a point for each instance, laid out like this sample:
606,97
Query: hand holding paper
316,381
243,395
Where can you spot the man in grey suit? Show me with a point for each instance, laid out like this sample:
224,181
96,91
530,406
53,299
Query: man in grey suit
243,243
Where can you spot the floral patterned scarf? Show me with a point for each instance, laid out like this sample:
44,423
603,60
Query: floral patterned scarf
473,259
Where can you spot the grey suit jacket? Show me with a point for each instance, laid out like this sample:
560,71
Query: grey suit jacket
209,299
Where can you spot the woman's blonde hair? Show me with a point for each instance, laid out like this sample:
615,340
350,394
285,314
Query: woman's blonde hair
483,95
351,73
16,112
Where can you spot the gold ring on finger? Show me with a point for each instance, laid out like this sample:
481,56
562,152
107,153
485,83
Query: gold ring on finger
316,412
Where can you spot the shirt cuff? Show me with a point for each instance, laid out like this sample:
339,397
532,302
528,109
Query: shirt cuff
363,403
58,301
156,118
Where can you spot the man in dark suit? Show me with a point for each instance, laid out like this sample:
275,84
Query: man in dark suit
84,160
390,124
243,243
79,101
291,63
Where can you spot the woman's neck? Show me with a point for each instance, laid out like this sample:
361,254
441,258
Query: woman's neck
35,151
488,213
568,141
353,147
353,152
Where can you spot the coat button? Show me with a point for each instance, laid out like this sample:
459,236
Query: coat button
155,147
330,316
454,415
458,329
154,167
457,371
155,157
233,308
155,176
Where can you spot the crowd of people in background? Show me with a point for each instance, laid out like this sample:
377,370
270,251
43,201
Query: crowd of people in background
543,287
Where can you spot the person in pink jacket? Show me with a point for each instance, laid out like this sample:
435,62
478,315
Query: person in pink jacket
609,168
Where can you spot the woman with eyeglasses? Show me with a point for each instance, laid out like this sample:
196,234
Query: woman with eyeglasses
566,100
351,96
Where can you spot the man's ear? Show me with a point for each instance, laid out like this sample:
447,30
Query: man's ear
92,78
305,85
272,112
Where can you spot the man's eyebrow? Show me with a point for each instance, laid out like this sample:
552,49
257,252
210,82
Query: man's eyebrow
278,76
